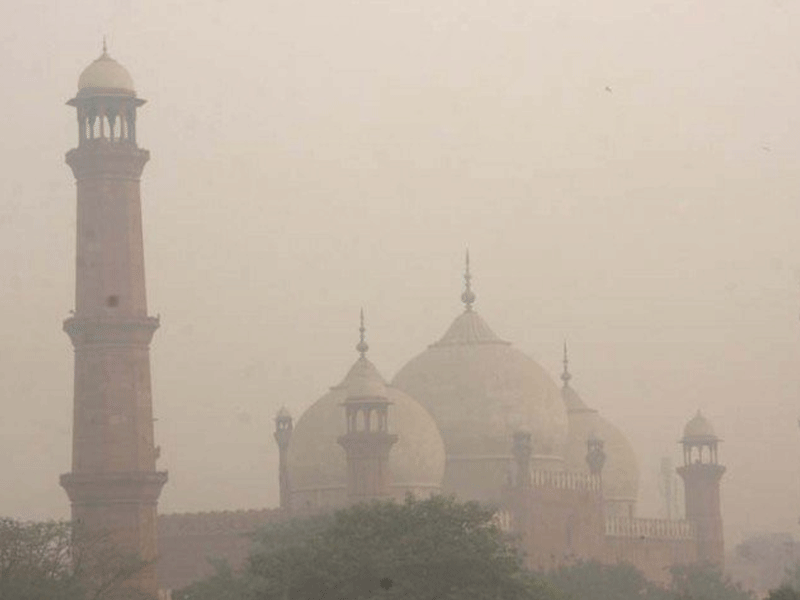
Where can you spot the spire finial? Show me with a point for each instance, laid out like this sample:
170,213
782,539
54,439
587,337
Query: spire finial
468,297
362,345
565,376
105,47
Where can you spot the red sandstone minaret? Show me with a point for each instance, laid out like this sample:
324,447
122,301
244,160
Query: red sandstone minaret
701,473
367,442
114,485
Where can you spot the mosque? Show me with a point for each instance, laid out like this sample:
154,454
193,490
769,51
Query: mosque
471,415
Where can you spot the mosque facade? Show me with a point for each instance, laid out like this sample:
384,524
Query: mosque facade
470,416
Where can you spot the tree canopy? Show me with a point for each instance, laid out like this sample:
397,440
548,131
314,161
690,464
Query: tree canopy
785,592
437,548
705,582
597,581
419,549
57,561
606,582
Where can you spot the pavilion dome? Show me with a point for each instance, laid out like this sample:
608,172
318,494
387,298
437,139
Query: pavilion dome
621,469
107,75
317,464
699,429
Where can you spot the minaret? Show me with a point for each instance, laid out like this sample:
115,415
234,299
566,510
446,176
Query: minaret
701,473
367,441
595,455
114,485
283,435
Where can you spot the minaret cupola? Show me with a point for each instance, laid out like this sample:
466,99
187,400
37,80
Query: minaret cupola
106,102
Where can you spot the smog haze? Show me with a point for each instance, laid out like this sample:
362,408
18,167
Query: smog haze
625,175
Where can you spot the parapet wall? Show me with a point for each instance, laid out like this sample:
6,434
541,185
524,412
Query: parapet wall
565,480
205,523
650,528
651,545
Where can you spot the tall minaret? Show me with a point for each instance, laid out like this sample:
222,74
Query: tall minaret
701,473
114,486
367,442
283,435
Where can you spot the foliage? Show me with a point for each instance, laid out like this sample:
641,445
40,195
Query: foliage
55,561
35,561
420,549
597,581
785,592
224,584
792,578
606,582
705,582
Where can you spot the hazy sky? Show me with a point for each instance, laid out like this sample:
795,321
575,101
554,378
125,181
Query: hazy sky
625,173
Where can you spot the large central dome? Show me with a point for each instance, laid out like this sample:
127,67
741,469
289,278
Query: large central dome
480,390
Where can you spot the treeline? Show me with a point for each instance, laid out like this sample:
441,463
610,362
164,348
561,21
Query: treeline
432,549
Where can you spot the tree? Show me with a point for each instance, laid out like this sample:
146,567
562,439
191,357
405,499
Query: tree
57,561
606,582
419,549
785,592
705,582
792,577
224,584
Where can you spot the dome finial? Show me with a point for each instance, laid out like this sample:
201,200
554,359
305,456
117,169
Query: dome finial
105,47
565,375
362,345
468,297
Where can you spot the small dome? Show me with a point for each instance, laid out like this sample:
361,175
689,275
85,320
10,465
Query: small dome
283,413
318,465
107,75
621,469
699,429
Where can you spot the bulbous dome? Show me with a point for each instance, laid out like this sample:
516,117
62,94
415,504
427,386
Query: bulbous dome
699,429
480,390
107,75
317,464
621,470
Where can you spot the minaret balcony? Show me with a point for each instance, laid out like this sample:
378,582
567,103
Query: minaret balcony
106,330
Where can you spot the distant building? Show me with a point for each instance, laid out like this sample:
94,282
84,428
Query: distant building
470,415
